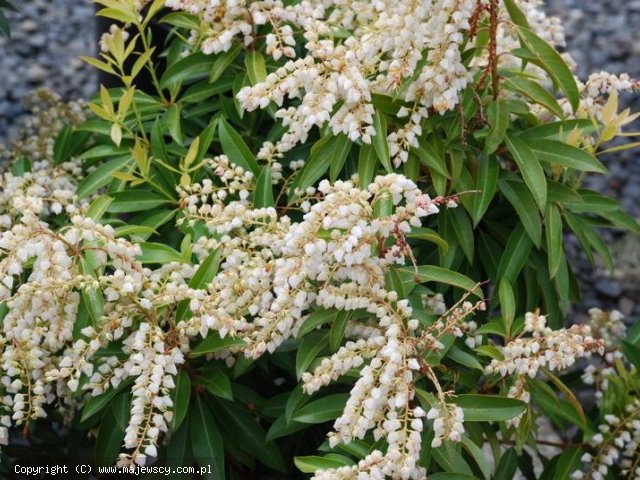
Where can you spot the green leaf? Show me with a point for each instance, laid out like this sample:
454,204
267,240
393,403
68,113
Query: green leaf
134,231
250,436
336,334
515,255
523,203
223,61
550,60
530,168
235,148
256,68
159,253
20,167
488,408
217,383
101,176
553,228
214,343
464,231
317,318
367,165
507,302
518,17
181,397
632,353
310,464
430,158
429,235
463,358
498,116
430,273
507,466
310,346
280,428
98,207
263,194
451,476
379,140
173,123
567,463
207,270
192,67
487,183
96,404
556,152
322,410
110,437
62,146
478,455
536,93
206,441
323,153
134,201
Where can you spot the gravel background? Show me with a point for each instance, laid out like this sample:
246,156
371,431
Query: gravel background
49,35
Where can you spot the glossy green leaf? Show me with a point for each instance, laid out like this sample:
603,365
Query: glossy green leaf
548,58
379,140
507,301
251,436
322,410
206,441
263,195
101,176
336,334
159,253
214,343
553,229
498,115
134,201
235,148
310,346
216,382
310,464
98,207
367,164
536,93
326,151
488,408
487,184
532,172
556,152
430,273
181,397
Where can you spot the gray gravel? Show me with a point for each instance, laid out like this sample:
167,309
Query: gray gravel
605,35
49,35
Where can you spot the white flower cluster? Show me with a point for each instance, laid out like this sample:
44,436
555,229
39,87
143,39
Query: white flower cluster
221,21
616,444
610,328
275,270
335,81
44,188
607,326
272,272
553,349
447,423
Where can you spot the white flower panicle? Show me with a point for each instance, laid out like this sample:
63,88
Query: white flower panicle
616,444
552,349
447,423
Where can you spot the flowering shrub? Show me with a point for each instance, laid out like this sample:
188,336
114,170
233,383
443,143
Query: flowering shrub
328,219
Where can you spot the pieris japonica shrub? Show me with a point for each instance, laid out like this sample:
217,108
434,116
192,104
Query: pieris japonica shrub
327,241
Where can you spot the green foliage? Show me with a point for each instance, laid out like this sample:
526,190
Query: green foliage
515,176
